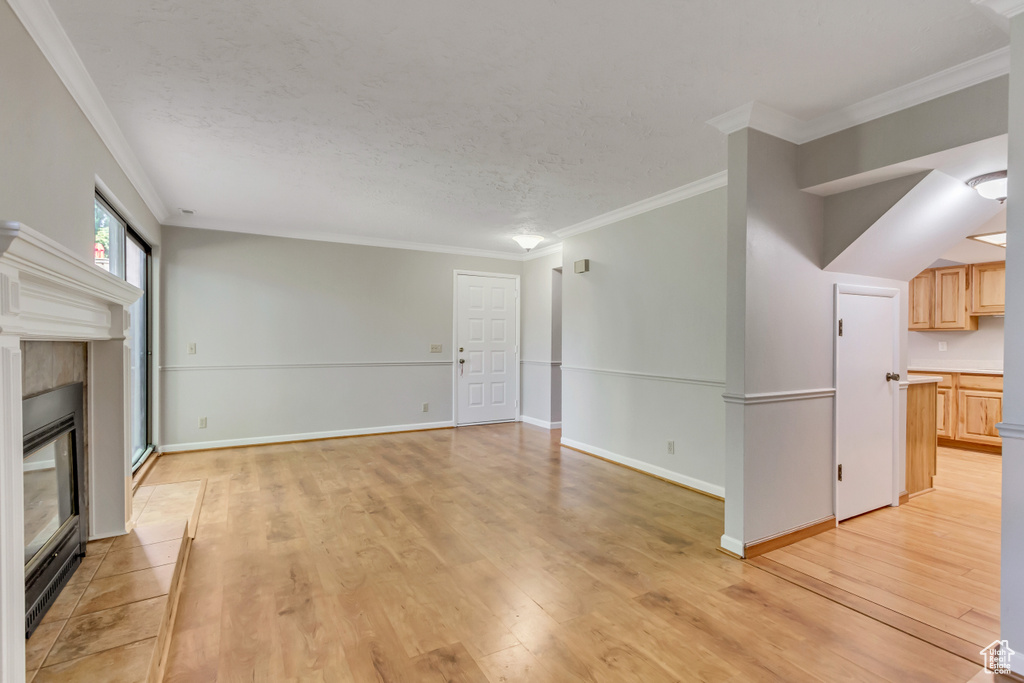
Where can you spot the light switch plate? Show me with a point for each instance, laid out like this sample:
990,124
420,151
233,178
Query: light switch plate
191,348
435,348
202,423
943,346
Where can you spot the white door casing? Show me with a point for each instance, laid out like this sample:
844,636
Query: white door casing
867,403
486,348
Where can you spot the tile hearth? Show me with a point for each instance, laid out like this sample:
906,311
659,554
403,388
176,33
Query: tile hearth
111,621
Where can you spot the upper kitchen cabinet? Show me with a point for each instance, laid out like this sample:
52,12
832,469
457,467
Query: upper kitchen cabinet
944,298
952,292
988,290
922,301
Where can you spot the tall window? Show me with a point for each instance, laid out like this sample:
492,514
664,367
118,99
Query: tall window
120,250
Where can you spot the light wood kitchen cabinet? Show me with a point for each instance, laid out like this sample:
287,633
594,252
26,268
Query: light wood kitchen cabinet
922,301
952,292
968,407
945,402
921,437
952,298
988,290
978,413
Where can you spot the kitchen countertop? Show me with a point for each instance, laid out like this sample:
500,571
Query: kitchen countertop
923,379
961,370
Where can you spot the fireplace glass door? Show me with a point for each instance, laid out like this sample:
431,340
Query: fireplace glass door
50,496
55,508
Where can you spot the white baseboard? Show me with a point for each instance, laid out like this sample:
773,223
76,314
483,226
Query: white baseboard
732,545
540,423
42,465
647,467
309,436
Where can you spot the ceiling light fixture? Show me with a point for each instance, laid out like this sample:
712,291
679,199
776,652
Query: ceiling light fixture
996,238
528,242
990,185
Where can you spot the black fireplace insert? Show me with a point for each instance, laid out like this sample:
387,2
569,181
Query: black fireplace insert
55,505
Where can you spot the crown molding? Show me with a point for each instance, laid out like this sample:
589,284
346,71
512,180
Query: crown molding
763,118
945,82
767,120
698,187
45,29
541,253
1007,8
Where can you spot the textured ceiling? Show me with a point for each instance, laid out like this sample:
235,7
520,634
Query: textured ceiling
460,122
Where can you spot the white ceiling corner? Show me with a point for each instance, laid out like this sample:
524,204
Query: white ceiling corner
760,116
1007,8
712,182
46,30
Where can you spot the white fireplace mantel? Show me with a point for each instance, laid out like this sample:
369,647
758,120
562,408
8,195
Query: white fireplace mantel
49,293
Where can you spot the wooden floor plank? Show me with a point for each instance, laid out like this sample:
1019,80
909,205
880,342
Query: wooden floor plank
934,559
492,554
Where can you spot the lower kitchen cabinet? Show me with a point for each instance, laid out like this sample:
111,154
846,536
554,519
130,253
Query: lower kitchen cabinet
968,408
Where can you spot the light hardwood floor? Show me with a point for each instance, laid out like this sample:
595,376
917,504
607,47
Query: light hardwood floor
934,560
492,554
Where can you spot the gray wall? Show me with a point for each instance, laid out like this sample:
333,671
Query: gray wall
781,318
542,334
297,338
643,341
52,155
960,118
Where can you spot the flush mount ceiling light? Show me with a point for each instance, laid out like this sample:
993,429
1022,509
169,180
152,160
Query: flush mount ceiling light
996,238
990,185
528,242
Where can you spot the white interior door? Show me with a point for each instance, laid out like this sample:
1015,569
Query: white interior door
487,363
867,348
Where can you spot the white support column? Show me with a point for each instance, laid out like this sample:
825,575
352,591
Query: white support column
110,431
1012,429
12,529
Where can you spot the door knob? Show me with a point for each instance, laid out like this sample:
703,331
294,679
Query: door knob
461,361
892,377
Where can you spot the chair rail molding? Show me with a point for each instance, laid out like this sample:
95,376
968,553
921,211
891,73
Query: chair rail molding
699,381
1010,430
779,396
309,366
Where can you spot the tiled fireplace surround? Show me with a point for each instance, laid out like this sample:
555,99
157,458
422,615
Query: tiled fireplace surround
48,294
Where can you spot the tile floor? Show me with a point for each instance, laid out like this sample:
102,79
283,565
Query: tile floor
106,623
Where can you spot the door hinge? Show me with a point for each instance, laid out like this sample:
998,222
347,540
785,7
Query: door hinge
840,327
840,473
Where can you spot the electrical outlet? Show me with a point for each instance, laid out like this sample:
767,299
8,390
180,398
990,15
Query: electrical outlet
435,348
426,407
671,447
943,346
191,348
202,423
